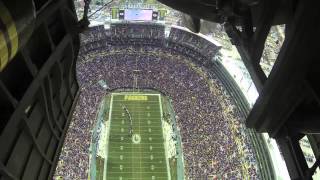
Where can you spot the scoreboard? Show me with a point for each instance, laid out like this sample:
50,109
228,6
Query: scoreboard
138,14
132,14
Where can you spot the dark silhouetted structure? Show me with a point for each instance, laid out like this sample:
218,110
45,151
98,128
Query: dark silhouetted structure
37,85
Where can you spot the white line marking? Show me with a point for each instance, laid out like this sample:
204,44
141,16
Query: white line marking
165,148
107,149
117,93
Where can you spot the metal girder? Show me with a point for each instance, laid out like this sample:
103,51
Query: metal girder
285,88
250,42
31,130
288,106
244,48
293,156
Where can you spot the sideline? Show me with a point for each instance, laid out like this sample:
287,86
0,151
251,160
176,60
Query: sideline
107,146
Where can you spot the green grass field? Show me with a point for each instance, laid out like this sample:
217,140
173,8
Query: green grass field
142,155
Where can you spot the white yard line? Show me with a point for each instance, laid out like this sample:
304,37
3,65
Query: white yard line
165,148
140,136
135,111
131,93
139,172
130,143
142,143
134,126
107,146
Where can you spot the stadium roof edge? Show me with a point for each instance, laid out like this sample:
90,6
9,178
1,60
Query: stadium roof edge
198,34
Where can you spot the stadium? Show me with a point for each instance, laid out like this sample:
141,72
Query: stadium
156,103
159,90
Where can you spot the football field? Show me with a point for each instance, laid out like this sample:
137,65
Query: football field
135,147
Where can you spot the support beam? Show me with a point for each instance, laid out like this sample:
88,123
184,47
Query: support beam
262,29
285,89
293,156
304,122
244,49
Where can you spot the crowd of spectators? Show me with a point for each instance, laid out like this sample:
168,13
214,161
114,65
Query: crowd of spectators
136,33
137,30
74,157
95,34
213,138
193,41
